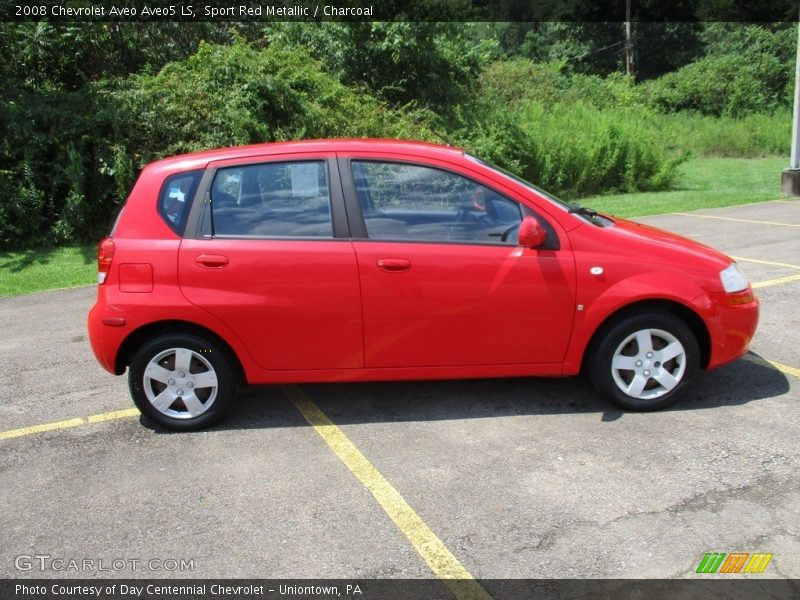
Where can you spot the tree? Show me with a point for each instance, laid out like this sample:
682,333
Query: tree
434,65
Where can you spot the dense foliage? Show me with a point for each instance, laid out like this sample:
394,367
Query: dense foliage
84,107
746,69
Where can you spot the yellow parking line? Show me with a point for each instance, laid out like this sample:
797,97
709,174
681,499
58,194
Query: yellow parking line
766,262
738,220
76,422
778,281
785,369
115,414
441,561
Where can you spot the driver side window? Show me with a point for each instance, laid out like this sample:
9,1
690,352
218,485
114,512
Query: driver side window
423,204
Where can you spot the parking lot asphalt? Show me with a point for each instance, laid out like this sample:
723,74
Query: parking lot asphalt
516,478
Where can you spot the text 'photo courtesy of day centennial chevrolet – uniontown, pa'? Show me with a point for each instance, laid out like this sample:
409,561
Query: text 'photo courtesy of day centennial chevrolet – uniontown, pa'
350,590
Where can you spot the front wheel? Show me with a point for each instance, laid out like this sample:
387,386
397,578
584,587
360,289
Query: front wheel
182,382
644,361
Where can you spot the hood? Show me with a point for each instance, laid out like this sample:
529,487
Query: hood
667,245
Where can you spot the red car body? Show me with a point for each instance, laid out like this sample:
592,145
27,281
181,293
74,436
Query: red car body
351,308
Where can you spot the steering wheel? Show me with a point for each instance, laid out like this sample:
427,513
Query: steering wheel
491,210
464,215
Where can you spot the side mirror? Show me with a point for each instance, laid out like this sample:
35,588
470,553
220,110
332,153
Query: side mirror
531,233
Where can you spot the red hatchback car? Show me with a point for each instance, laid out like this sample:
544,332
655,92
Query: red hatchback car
364,260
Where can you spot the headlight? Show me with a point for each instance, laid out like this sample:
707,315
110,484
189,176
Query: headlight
733,280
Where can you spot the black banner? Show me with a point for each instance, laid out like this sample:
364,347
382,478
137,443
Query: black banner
397,589
399,10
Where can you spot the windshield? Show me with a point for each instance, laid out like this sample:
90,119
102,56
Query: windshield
581,211
519,180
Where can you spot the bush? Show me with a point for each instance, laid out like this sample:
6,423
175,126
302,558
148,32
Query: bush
231,95
70,148
519,81
577,149
430,64
22,210
729,85
750,136
54,184
573,134
748,69
73,155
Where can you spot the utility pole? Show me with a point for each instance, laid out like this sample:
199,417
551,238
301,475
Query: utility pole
790,178
628,43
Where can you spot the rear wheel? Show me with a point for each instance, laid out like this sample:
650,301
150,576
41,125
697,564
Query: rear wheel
181,381
644,361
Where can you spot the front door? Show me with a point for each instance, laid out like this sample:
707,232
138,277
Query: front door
443,281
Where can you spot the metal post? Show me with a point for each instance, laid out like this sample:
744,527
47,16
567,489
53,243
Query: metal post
628,45
790,178
795,158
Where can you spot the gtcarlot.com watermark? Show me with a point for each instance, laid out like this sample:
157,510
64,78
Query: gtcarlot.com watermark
62,564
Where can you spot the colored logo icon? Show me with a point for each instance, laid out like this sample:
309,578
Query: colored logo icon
734,562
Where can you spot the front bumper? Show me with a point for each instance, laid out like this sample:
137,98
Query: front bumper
731,324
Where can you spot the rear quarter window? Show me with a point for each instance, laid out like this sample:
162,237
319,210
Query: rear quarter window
272,200
176,198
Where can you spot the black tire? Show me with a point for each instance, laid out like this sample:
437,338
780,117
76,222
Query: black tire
662,328
213,400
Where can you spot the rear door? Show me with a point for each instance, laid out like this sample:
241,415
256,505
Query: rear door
443,280
273,260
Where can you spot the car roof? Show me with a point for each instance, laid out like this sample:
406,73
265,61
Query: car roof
199,160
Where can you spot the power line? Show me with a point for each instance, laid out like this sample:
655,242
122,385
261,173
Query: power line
585,54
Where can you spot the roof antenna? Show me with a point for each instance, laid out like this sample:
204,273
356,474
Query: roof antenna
433,131
441,137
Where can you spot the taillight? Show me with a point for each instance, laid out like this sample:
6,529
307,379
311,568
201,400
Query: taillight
105,254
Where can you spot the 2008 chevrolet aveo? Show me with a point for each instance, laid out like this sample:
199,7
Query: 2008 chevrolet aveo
365,260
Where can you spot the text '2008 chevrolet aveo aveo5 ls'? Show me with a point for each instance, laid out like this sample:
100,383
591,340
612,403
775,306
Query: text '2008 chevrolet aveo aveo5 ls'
365,260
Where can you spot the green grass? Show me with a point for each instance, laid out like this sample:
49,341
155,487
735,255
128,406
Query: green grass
35,270
702,183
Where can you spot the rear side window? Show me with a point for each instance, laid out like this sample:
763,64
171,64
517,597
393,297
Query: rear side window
282,199
176,198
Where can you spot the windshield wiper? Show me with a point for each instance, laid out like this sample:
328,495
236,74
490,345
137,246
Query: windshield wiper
581,210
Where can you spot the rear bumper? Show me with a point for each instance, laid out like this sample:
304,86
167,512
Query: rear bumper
731,327
107,327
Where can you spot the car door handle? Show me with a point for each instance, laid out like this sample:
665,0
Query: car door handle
393,265
211,260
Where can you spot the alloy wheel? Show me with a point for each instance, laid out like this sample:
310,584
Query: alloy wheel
180,383
648,364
